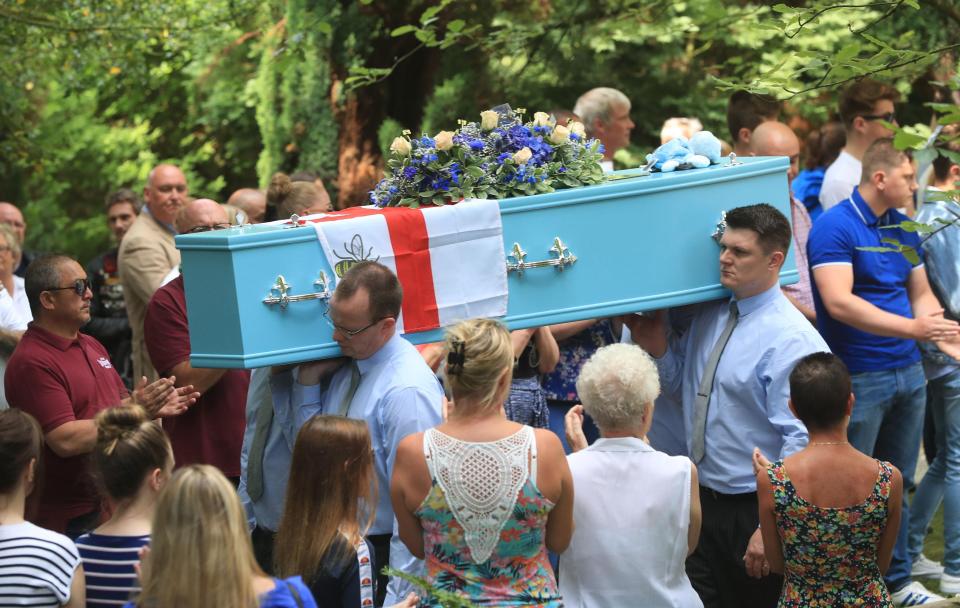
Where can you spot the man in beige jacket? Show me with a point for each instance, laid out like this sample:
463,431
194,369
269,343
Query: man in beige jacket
148,254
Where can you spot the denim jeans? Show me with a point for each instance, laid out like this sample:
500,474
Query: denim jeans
942,481
887,423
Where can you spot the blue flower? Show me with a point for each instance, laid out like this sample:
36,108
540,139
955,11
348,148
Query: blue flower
427,142
409,172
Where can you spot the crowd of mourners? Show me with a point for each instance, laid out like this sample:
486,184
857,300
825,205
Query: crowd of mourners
754,451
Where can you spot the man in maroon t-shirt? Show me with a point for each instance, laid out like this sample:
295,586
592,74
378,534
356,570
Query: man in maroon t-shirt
212,431
63,378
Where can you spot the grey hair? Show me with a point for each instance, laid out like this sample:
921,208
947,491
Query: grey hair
43,273
597,104
8,235
617,385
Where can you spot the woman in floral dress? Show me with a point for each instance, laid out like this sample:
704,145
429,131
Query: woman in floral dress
829,514
479,497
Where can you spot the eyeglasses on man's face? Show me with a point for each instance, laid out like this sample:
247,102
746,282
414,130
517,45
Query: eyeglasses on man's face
349,333
79,287
207,228
888,116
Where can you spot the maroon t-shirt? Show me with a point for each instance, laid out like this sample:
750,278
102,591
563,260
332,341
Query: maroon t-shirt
211,431
58,380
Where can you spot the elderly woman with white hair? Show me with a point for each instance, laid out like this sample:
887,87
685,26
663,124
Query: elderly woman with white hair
637,509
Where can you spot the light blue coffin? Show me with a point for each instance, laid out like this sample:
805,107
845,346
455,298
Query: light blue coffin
640,243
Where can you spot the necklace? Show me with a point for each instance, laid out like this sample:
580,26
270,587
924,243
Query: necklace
829,443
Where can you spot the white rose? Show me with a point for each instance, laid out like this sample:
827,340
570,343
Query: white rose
541,119
522,156
443,140
560,135
401,146
577,128
489,120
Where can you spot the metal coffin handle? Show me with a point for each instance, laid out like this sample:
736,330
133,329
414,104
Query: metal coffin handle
564,257
280,292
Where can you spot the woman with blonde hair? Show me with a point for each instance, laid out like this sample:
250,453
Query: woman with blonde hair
200,552
482,498
37,566
131,463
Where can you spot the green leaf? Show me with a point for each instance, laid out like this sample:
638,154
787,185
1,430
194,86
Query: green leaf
456,25
403,29
911,254
903,140
428,15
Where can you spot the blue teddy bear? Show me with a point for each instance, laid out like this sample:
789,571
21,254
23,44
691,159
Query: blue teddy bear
702,150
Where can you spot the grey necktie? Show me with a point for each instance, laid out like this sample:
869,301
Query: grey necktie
352,390
257,447
702,400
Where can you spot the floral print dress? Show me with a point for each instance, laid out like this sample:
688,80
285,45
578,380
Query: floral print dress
517,571
830,554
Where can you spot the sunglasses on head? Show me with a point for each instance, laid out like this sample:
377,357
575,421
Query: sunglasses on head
79,287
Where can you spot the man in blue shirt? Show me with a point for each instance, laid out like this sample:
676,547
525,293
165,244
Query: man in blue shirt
872,307
382,380
730,370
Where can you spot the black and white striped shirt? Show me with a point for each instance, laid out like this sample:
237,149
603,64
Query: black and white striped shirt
37,566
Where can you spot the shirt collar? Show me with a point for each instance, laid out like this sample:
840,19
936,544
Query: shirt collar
386,351
51,338
748,305
168,227
620,444
865,212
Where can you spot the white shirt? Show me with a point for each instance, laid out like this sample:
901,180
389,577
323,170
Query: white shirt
629,547
20,303
10,319
839,180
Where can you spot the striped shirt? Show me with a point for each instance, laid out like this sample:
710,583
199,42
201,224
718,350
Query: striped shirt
36,566
108,565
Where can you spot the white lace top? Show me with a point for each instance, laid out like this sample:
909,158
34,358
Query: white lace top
481,481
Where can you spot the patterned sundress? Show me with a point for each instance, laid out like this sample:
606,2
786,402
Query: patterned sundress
830,554
486,544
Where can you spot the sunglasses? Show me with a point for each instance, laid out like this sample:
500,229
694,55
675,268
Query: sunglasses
79,287
889,116
199,229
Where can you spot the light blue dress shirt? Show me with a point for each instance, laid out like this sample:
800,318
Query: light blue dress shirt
748,404
943,269
398,395
277,452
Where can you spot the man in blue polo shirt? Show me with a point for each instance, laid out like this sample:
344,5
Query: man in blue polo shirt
872,307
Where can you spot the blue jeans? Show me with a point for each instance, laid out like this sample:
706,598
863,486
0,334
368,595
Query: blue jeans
942,481
887,423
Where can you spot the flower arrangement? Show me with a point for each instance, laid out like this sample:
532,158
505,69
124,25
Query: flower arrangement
500,157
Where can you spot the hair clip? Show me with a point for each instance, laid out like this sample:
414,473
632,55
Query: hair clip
456,357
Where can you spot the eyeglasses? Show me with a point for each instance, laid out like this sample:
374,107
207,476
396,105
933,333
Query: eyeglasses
889,116
349,333
79,287
199,229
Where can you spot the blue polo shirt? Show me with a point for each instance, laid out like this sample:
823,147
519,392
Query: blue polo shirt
878,277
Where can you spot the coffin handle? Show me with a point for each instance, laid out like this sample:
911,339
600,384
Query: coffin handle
564,257
280,292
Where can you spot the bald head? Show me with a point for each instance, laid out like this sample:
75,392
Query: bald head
201,212
252,202
165,192
772,138
11,216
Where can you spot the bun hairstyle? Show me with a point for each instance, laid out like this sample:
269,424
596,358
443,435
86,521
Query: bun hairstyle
291,197
20,442
129,446
479,353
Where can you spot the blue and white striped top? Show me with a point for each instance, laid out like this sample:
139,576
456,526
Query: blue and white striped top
36,566
108,563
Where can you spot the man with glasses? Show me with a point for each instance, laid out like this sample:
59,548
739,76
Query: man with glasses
864,107
147,253
211,432
381,379
63,378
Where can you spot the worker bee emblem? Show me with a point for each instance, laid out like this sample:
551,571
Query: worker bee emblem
354,253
